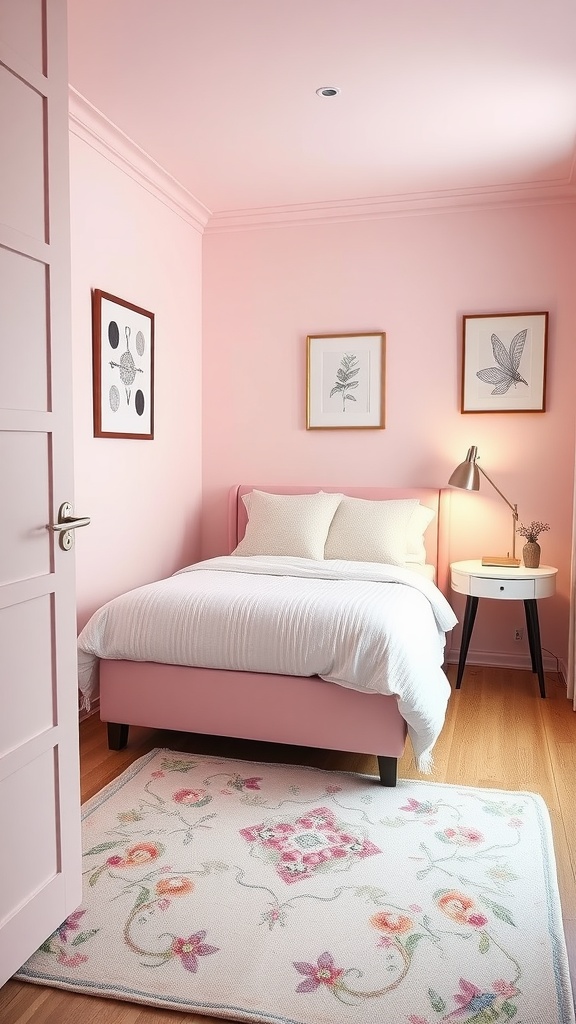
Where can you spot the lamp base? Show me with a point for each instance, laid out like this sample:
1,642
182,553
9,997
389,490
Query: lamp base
503,560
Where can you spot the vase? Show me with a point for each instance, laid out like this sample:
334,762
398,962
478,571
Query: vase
531,554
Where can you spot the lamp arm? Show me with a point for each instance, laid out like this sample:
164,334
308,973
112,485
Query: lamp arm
510,505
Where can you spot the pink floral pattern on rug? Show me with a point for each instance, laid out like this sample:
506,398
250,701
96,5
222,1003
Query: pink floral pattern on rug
290,895
313,842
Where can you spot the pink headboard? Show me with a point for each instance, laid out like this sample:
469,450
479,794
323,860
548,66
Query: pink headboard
431,496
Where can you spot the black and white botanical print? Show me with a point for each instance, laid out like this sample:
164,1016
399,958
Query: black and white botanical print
128,369
349,369
123,345
506,373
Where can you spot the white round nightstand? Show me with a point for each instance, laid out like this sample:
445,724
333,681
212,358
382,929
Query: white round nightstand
503,583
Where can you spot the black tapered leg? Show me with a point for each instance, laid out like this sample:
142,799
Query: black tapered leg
532,624
530,640
467,627
117,735
388,768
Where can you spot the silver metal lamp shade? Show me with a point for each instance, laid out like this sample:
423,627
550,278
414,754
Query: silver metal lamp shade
467,476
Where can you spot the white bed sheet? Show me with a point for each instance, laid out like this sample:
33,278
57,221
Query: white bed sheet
369,626
428,571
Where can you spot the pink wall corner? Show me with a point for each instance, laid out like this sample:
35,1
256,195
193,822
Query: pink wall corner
412,277
143,497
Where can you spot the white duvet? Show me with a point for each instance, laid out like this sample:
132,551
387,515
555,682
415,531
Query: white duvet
372,627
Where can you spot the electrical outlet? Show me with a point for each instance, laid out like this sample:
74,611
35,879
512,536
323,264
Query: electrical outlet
518,634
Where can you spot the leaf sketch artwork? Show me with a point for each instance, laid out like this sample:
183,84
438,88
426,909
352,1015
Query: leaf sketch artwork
345,381
504,362
349,369
506,373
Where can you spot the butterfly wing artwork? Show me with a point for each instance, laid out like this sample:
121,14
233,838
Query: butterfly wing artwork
506,372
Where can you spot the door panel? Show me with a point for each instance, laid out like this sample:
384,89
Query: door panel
26,863
24,381
40,851
22,175
25,544
27,675
21,27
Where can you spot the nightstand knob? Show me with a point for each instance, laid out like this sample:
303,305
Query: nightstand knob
501,588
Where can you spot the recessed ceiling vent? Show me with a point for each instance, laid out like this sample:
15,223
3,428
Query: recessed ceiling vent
328,90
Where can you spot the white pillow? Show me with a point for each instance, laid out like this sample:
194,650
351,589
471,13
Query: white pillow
371,531
287,524
421,518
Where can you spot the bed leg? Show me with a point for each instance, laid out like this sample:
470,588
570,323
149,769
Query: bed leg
117,735
388,768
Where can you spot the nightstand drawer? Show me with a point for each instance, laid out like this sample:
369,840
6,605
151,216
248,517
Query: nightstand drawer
502,589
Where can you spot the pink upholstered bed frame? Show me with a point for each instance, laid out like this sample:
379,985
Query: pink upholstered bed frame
284,709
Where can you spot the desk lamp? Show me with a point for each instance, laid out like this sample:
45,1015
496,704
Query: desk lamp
467,476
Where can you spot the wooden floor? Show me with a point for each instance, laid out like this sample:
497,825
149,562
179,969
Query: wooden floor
498,732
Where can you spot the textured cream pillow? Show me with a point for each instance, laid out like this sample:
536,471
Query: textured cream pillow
371,531
421,518
287,524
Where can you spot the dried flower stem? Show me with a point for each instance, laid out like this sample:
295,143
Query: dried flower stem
533,531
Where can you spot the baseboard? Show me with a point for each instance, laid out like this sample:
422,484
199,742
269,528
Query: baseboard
495,659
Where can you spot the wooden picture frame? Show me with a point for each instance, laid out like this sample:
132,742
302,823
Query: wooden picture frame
123,368
345,379
504,362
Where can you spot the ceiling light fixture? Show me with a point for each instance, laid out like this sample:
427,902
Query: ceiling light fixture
328,90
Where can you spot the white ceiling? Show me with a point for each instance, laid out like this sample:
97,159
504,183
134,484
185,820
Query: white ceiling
445,99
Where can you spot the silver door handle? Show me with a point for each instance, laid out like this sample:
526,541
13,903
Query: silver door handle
66,523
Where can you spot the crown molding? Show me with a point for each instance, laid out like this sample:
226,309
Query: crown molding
379,207
93,127
90,124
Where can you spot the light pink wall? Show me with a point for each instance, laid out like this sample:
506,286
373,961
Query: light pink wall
412,277
143,497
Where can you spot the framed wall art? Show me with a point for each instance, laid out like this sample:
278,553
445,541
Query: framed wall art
504,362
345,381
123,368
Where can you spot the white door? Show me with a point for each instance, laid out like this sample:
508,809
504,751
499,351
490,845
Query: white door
40,853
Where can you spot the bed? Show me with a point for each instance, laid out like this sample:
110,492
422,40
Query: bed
299,709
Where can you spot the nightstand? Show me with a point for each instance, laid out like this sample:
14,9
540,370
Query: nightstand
503,584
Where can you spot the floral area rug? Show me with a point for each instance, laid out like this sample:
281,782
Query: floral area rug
288,895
